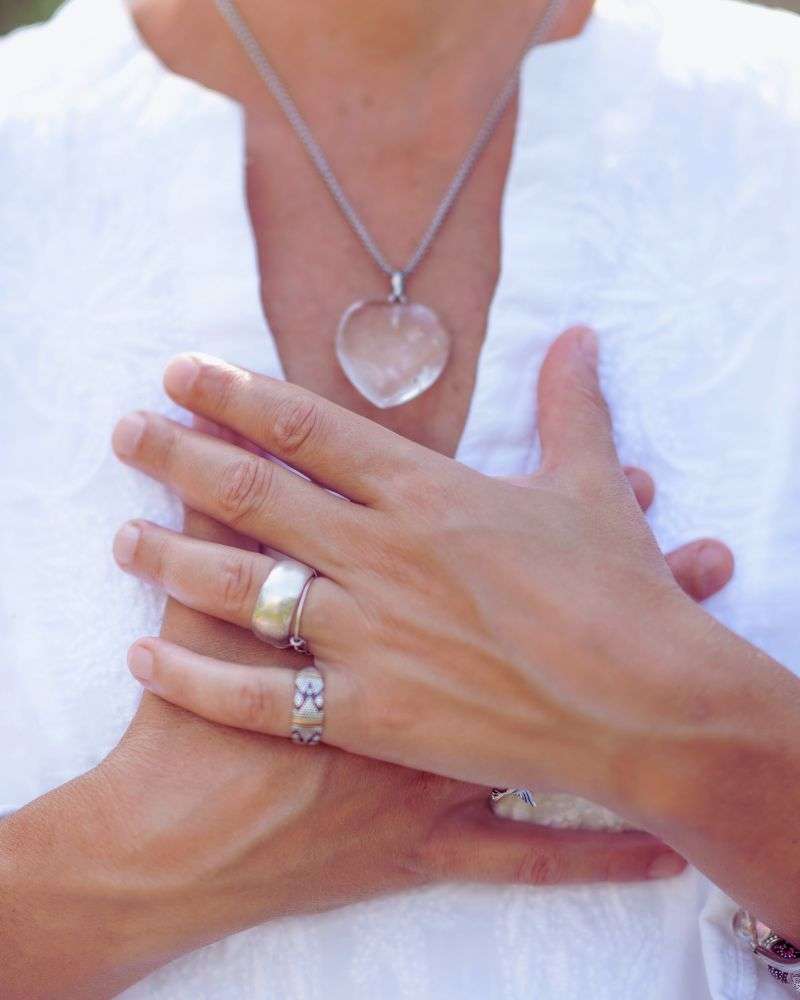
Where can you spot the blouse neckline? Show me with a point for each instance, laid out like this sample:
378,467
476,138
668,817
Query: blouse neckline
546,66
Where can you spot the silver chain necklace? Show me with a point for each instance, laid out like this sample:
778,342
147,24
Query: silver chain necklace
391,350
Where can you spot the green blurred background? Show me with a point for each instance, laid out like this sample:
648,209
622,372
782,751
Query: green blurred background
15,12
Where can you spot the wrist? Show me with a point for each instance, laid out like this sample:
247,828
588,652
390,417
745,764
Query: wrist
717,711
639,706
77,919
88,910
710,771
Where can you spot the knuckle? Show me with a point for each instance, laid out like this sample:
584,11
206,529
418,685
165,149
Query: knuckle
236,583
538,867
255,704
243,488
380,717
412,485
432,858
403,480
388,720
589,483
428,787
295,421
607,868
431,789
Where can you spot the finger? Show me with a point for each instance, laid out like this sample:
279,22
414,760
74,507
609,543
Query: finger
495,850
255,496
574,422
205,528
209,636
197,525
642,485
702,568
255,698
220,580
224,434
346,452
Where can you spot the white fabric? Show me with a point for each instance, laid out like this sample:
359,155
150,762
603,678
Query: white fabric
652,192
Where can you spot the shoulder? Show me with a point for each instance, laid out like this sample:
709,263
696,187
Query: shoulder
698,100
84,82
710,47
44,67
63,85
103,155
86,108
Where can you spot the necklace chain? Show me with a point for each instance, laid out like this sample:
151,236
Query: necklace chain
275,85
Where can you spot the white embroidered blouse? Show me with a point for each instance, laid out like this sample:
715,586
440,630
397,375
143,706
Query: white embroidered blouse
653,192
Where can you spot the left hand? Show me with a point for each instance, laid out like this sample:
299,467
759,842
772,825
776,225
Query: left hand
467,626
422,828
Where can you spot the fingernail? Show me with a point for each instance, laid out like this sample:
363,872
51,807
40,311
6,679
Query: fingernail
666,866
128,434
587,342
125,544
140,663
181,375
710,564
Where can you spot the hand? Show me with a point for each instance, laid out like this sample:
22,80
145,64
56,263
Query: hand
516,636
263,831
441,648
190,831
462,839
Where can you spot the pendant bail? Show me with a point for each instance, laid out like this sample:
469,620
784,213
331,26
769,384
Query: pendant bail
398,280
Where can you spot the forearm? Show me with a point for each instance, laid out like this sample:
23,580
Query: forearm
717,777
73,920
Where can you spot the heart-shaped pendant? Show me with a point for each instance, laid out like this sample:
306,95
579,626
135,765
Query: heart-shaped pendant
391,351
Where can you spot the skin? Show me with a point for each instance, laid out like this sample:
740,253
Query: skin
97,887
407,103
594,674
190,831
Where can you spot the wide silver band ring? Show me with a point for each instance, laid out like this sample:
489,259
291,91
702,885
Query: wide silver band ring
276,607
308,710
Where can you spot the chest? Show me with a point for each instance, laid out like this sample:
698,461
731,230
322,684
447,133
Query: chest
697,316
312,266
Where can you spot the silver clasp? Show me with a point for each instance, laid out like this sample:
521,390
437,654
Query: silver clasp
398,280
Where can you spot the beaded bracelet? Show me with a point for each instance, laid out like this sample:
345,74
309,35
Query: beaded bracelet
780,956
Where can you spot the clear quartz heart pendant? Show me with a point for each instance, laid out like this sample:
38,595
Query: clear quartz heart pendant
392,350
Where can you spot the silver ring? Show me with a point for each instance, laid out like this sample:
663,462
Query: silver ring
523,794
308,710
296,640
277,602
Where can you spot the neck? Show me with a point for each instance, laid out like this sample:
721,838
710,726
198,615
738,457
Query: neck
388,40
408,32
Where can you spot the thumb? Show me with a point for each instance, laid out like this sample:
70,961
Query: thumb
640,482
574,422
491,849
